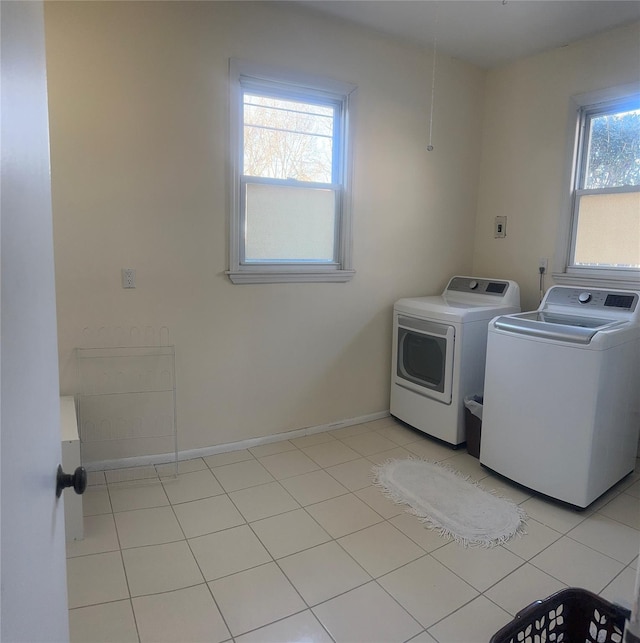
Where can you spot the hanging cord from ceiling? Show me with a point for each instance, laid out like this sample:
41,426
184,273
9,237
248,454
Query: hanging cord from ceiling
433,84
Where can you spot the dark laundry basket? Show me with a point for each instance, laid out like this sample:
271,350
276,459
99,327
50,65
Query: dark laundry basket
569,616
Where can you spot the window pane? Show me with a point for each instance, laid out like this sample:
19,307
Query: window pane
609,230
285,139
613,158
289,224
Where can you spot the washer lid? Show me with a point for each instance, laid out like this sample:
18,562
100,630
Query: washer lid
566,328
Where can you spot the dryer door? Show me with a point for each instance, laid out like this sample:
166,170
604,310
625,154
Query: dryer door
424,357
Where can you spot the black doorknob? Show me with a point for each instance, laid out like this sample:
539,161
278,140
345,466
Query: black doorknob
78,480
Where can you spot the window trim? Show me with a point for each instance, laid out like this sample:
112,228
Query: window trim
576,159
243,75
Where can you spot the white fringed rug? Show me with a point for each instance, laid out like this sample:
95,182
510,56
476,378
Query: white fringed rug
447,501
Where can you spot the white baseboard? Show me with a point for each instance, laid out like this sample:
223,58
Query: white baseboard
163,458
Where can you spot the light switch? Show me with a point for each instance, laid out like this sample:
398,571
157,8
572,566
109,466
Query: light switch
500,227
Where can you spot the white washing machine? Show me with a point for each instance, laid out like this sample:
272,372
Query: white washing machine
561,397
438,352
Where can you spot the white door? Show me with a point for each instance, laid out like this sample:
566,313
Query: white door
33,603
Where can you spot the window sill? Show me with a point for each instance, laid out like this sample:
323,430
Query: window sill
281,277
632,282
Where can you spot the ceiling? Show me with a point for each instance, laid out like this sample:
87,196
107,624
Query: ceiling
487,33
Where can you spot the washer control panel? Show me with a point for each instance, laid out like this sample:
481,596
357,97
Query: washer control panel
619,300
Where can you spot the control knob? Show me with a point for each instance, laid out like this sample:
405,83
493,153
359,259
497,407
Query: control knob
473,284
584,297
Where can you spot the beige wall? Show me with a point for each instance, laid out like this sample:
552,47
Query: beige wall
525,133
138,109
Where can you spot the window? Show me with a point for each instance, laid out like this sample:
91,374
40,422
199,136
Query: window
605,210
290,156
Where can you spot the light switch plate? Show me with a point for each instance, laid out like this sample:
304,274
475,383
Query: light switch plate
500,227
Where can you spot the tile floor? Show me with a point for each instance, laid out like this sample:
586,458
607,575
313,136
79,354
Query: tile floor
290,542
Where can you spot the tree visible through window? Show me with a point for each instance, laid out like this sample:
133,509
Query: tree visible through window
614,152
284,139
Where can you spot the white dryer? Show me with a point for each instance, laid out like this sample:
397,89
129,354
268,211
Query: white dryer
562,390
438,352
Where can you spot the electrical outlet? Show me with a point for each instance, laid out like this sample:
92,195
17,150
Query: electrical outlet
128,278
543,264
500,227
